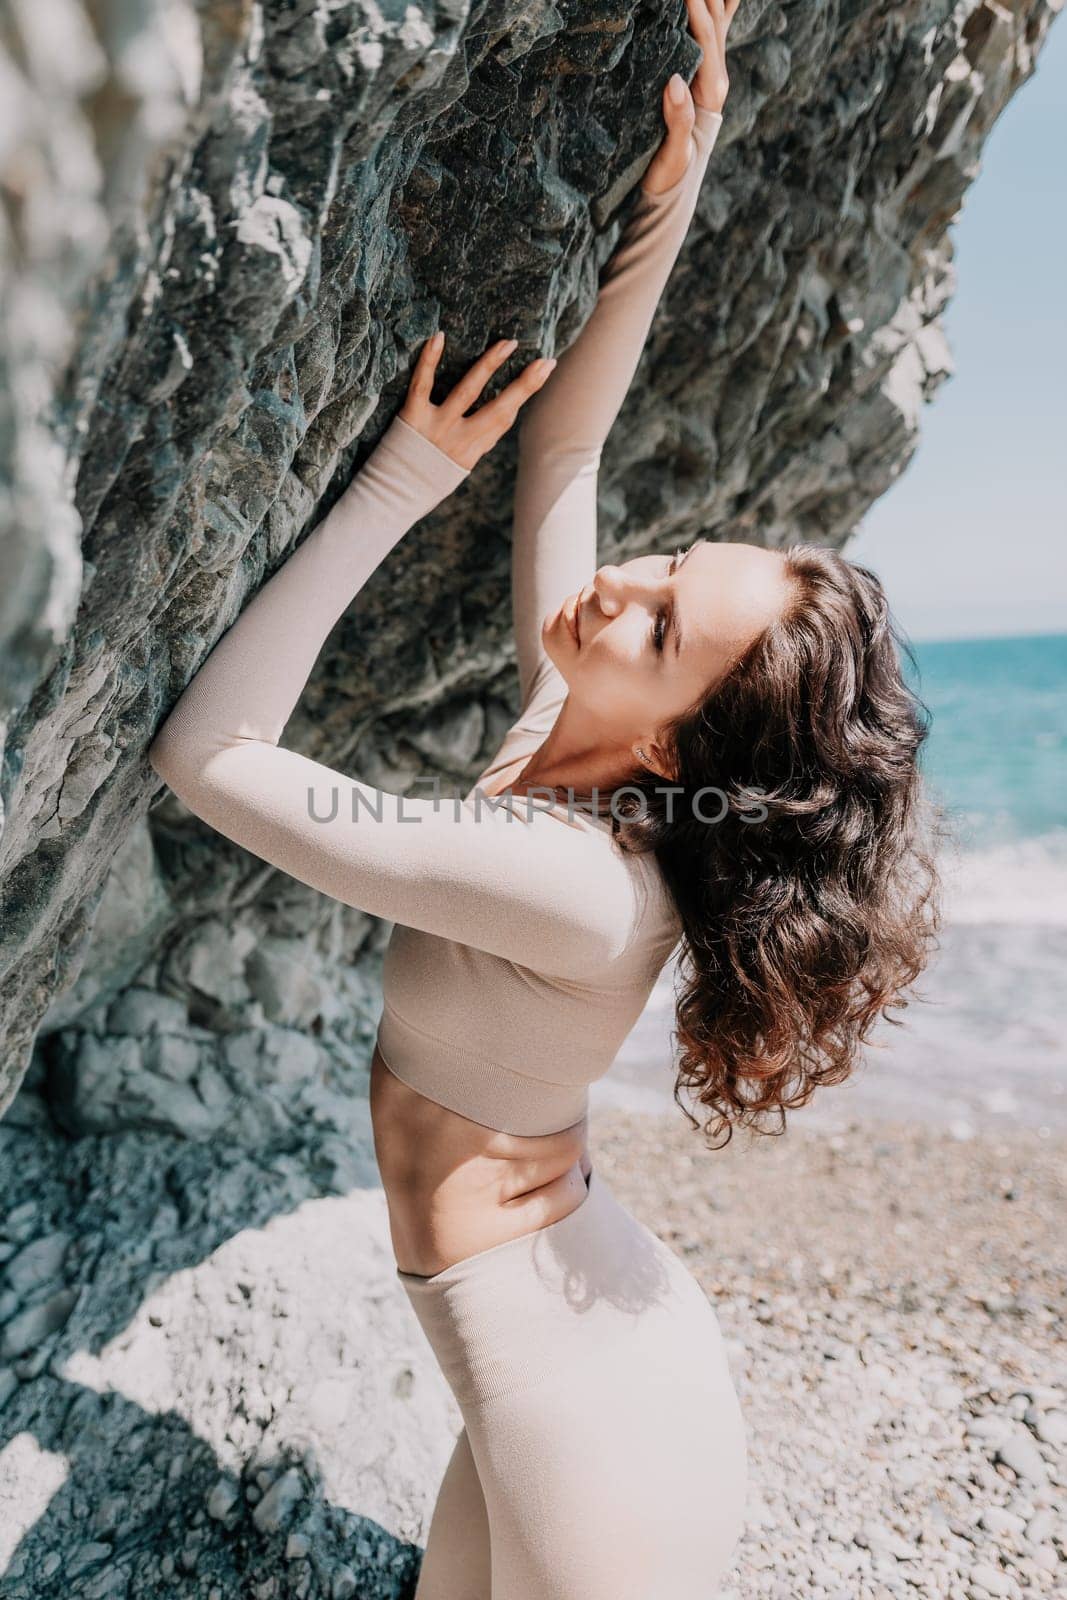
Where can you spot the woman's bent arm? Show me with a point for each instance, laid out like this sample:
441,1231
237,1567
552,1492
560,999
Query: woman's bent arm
529,890
563,429
249,684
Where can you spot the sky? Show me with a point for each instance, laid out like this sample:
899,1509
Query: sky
971,540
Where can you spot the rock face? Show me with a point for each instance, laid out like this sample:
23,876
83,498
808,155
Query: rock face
226,232
244,222
210,1381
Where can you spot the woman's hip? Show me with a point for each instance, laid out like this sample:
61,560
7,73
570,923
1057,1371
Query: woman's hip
595,1290
592,1377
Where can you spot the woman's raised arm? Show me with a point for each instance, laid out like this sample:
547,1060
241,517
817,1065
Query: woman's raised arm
248,686
562,432
527,889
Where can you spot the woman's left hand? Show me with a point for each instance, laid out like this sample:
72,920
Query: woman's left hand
467,439
709,23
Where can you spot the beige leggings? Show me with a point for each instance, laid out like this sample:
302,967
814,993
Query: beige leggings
603,1453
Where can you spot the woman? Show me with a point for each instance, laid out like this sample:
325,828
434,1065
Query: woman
740,712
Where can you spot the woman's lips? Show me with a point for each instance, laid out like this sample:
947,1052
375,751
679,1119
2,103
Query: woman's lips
574,621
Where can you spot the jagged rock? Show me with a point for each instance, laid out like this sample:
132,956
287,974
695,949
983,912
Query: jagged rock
279,1503
279,979
222,294
233,1322
245,221
28,1328
37,1263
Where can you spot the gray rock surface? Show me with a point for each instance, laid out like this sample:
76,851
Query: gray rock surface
226,231
245,221
211,1382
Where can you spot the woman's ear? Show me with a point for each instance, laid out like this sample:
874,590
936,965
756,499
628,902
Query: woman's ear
656,758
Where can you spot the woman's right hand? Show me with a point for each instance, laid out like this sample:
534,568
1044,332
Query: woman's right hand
709,23
467,439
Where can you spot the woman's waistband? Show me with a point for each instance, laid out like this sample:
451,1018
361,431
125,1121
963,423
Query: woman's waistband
511,1315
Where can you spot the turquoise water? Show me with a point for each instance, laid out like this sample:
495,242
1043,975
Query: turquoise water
997,753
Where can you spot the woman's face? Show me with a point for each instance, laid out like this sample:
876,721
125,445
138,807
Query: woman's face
657,632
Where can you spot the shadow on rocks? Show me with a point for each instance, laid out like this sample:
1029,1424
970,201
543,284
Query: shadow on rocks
170,1366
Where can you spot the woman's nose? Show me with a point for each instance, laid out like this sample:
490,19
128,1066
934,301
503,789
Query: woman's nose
615,586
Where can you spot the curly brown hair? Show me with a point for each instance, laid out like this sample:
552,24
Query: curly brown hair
814,903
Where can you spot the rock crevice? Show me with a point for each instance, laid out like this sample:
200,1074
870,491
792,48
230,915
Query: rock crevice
245,222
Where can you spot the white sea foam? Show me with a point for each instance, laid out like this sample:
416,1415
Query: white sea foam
1023,881
984,1041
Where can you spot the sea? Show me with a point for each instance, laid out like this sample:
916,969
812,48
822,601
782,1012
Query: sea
984,1043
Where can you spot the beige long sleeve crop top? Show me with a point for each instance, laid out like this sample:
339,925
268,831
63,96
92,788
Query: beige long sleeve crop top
525,942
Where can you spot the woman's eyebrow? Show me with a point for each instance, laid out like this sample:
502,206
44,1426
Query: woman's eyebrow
676,622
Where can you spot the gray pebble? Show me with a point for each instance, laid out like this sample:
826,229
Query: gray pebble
884,1541
279,1502
992,1580
1020,1453
990,1428
85,1557
37,1263
1040,1526
27,1330
1050,1426
995,1519
221,1500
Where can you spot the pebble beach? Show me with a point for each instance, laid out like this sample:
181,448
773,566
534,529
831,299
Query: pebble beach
893,1299
892,1295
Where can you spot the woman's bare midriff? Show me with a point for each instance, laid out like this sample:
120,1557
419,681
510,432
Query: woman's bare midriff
454,1187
